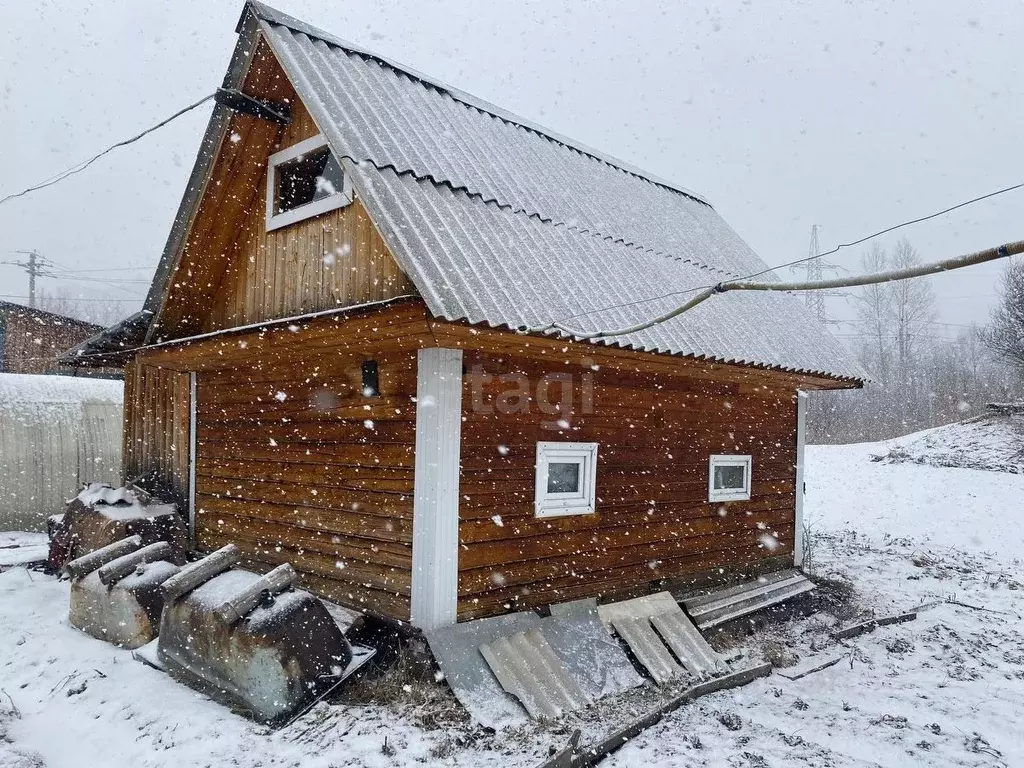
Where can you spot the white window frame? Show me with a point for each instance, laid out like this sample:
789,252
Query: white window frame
330,203
582,502
729,460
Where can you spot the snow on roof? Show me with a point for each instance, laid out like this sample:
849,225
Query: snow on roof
501,222
24,388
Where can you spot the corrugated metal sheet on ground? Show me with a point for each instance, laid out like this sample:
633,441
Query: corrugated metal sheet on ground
644,607
593,658
648,648
718,607
457,650
650,623
498,222
527,668
688,645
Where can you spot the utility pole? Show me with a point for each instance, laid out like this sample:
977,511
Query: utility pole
36,266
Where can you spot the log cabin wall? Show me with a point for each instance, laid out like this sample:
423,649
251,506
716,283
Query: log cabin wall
653,521
294,464
156,429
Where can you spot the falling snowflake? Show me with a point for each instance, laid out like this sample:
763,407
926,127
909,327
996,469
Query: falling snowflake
368,424
498,521
273,443
281,396
503,450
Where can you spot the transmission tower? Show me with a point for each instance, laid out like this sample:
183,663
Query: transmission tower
815,267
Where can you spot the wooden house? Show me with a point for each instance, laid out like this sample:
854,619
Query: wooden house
339,364
32,340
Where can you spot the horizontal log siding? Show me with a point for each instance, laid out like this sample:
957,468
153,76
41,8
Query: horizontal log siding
653,521
305,469
295,465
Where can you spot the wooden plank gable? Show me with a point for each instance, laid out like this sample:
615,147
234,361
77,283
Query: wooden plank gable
233,272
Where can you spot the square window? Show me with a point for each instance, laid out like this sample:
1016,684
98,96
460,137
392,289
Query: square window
729,478
566,478
304,180
563,477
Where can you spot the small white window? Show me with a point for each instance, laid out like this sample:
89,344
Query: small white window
729,478
304,180
566,478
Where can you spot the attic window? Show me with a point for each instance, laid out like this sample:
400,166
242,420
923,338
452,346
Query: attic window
304,180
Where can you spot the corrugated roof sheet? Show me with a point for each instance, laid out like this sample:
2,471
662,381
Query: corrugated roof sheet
499,222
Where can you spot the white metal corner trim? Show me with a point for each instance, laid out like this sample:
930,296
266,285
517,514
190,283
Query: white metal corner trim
435,523
801,440
192,458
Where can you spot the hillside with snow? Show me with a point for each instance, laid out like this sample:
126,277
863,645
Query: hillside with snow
943,690
992,441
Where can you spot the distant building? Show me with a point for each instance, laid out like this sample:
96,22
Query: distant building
31,340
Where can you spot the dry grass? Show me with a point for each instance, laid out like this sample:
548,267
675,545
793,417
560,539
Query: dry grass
410,686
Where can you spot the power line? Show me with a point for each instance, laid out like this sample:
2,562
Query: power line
36,266
893,228
79,167
946,265
670,294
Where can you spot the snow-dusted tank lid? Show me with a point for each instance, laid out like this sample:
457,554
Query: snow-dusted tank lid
101,493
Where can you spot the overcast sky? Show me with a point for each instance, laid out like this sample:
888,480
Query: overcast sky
850,115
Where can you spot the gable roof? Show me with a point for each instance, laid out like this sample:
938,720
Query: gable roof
498,221
43,316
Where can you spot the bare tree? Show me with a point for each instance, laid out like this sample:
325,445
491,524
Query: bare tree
921,381
1005,334
99,311
873,310
912,308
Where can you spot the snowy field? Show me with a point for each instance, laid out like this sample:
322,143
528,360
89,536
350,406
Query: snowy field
944,690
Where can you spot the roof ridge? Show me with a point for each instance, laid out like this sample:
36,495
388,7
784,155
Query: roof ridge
520,211
273,16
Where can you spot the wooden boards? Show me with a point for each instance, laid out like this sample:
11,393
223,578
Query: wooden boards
156,429
653,521
233,272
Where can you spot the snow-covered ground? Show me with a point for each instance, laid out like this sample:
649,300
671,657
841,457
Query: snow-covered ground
22,547
944,690
940,508
992,441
